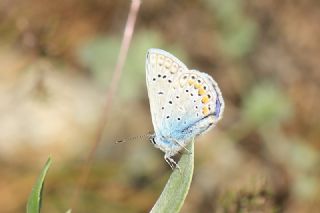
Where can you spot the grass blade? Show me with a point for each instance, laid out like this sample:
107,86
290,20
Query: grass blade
34,201
177,187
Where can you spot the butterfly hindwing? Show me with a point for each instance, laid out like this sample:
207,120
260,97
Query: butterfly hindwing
196,105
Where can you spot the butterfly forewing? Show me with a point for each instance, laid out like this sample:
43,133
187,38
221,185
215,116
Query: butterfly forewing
162,69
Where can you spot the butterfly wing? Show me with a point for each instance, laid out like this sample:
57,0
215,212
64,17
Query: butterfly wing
196,106
184,103
162,70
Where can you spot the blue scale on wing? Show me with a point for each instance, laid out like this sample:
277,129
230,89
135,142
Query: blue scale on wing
218,108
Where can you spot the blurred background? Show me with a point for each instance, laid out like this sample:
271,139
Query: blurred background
56,63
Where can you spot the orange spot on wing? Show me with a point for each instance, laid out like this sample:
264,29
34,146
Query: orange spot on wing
197,86
205,110
191,82
201,91
205,100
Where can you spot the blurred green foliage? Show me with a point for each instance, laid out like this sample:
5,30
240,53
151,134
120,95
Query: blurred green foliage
266,104
237,31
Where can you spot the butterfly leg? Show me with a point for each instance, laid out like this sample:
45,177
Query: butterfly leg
171,162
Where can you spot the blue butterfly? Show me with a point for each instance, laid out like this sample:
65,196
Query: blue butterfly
184,103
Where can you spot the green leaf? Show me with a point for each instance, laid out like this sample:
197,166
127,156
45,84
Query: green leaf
34,201
178,185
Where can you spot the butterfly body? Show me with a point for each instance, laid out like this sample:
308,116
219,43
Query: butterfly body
184,103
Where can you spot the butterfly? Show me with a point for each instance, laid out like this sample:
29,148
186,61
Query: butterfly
183,103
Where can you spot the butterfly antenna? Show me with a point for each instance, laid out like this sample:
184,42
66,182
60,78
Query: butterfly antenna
148,135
